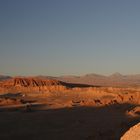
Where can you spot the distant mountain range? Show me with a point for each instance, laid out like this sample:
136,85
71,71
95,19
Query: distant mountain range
115,80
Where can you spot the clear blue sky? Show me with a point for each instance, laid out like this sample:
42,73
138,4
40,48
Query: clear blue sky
74,37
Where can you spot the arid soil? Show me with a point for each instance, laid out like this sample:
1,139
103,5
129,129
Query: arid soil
67,113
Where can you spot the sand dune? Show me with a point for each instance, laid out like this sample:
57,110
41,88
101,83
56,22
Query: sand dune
133,133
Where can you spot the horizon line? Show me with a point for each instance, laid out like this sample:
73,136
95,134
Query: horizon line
78,75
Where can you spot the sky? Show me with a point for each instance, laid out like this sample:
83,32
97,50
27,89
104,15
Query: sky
69,37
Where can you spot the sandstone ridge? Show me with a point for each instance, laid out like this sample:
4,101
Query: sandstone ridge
30,84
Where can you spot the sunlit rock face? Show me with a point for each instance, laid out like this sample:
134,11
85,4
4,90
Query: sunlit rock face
30,85
133,133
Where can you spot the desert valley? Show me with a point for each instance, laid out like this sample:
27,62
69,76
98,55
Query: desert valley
69,70
90,107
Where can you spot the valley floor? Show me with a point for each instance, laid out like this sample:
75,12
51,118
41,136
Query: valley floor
68,116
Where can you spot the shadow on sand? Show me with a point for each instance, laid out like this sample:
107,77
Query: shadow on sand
74,85
77,123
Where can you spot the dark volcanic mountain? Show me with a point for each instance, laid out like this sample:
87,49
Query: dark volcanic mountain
3,77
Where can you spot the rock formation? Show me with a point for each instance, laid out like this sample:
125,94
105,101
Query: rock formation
133,133
25,84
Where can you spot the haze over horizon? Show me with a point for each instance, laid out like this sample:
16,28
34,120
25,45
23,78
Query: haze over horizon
116,74
69,37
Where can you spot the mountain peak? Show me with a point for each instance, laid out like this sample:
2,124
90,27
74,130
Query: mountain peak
93,75
116,74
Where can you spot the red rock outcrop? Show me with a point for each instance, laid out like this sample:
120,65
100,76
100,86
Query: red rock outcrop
30,84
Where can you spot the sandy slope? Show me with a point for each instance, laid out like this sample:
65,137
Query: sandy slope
133,133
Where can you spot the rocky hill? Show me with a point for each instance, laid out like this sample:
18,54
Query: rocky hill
29,84
114,80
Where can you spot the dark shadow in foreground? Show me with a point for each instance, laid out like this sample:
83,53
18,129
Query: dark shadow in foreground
78,123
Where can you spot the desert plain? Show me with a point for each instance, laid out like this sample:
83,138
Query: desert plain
34,108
